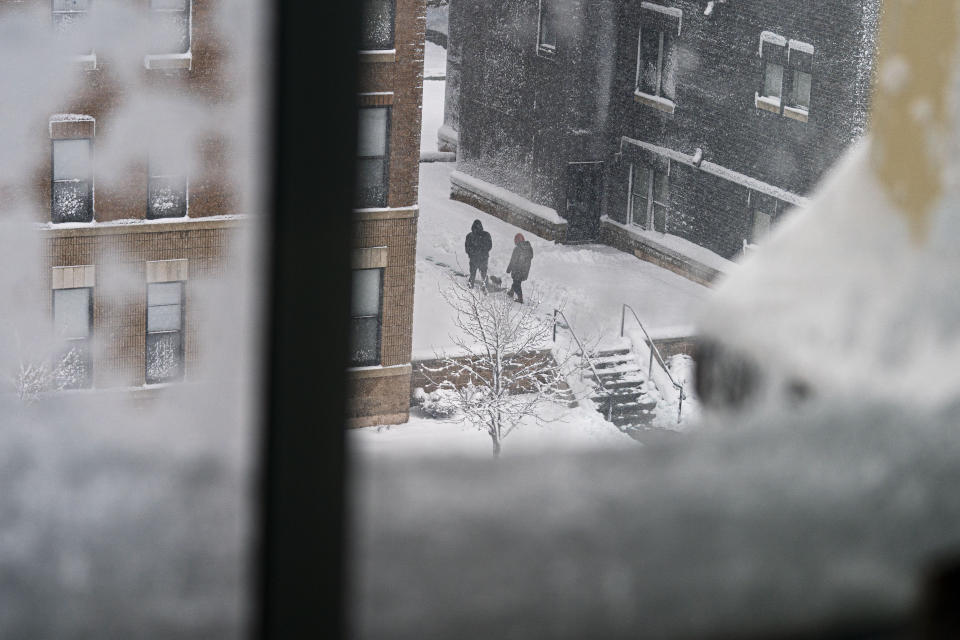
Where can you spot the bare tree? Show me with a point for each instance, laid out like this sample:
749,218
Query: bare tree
504,370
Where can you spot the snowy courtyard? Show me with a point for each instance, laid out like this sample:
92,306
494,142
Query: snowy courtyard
588,283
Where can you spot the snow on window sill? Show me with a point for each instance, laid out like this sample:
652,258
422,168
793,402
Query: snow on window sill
87,62
657,102
767,103
378,55
797,113
168,60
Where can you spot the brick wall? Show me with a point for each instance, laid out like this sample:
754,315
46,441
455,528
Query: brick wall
119,293
120,173
380,395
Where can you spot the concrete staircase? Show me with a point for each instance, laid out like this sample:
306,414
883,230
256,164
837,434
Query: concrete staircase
623,398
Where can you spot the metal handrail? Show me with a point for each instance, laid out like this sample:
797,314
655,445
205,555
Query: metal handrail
583,351
653,352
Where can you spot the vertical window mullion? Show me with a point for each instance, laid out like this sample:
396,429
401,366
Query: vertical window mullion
630,196
649,218
660,66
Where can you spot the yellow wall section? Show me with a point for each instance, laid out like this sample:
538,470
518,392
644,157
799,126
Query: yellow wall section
912,118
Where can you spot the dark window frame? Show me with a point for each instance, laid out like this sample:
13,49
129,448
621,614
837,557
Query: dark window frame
385,199
86,351
91,205
379,318
181,351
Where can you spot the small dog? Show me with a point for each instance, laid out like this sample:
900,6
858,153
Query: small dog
497,282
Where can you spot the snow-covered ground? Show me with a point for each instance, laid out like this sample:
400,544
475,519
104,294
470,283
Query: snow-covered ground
434,61
589,282
563,428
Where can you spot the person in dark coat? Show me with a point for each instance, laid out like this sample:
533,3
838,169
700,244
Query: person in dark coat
519,266
478,245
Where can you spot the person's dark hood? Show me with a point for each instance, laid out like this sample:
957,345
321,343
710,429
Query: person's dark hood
476,226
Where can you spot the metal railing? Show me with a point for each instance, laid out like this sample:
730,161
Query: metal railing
654,352
583,354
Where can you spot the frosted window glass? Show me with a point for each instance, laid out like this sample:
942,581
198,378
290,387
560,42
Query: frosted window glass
71,159
773,80
170,5
801,89
372,139
163,293
71,5
71,313
365,300
163,318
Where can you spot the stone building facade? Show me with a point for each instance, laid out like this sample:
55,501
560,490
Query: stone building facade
136,208
646,125
386,211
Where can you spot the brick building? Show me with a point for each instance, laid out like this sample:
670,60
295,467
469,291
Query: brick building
639,123
133,190
386,211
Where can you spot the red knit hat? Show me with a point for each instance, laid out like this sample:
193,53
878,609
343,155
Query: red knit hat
518,238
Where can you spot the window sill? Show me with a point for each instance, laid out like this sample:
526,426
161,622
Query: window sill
766,103
546,51
796,113
86,62
657,102
168,61
378,55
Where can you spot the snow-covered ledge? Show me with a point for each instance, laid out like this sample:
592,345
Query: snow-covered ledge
671,252
168,60
87,62
508,206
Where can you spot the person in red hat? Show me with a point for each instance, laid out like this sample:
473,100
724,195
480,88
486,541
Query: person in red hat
519,266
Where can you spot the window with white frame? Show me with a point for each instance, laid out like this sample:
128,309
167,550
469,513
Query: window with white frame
800,60
72,321
366,317
164,339
166,185
656,55
372,157
377,30
648,201
547,29
72,187
773,59
170,26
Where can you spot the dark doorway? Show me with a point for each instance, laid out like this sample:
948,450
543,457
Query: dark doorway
584,182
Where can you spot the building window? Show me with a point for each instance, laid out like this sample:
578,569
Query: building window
377,31
72,189
166,187
547,29
72,320
67,14
170,26
372,157
773,58
648,199
68,19
366,314
800,59
164,341
656,56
